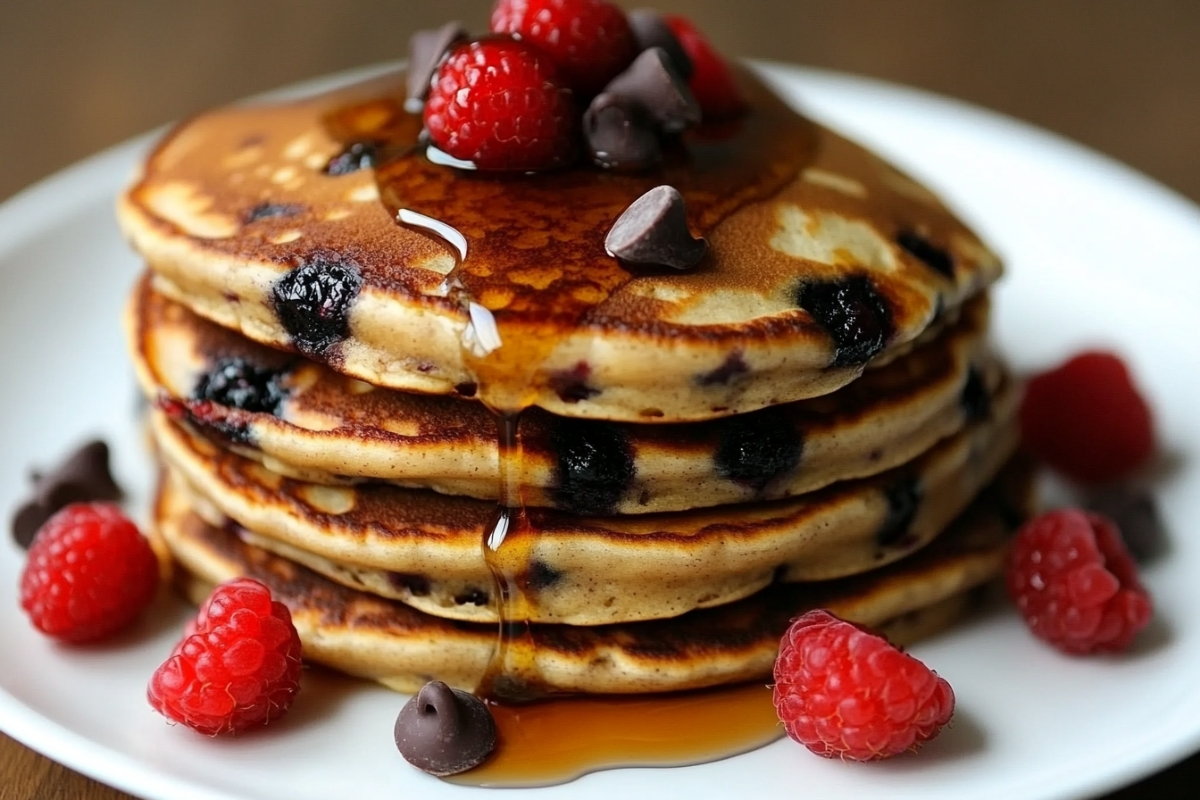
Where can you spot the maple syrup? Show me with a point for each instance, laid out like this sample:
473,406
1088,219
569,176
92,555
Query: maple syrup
559,740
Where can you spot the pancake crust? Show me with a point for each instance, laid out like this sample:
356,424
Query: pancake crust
334,430
821,258
425,548
388,641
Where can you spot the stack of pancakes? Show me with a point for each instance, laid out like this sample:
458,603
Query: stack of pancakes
465,443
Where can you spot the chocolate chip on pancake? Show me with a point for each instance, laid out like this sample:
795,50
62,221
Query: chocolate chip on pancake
620,134
654,231
650,30
653,83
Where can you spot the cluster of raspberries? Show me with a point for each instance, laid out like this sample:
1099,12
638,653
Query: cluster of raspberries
558,76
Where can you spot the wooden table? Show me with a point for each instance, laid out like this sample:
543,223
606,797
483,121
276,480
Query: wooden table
1117,75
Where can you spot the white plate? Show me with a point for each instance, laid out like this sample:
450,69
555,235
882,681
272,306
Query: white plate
1097,255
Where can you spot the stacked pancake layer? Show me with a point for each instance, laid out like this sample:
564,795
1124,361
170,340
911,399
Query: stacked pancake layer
813,417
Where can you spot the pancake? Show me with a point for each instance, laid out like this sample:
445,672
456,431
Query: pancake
305,421
426,548
822,258
388,641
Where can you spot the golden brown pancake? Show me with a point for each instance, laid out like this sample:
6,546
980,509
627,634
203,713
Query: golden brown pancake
427,548
822,258
365,635
306,421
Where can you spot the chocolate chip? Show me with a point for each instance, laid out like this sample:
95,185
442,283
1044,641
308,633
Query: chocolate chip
541,576
236,383
852,312
425,51
271,211
620,134
84,477
732,368
356,156
654,230
975,400
933,256
571,385
651,30
415,585
466,389
1134,511
313,300
444,731
755,449
594,466
903,500
652,82
472,597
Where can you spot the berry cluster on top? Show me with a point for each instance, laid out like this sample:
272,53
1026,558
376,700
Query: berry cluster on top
557,77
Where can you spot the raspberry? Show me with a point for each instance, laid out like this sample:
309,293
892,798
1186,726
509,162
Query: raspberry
500,104
1087,420
845,692
238,666
711,82
1075,583
89,574
589,40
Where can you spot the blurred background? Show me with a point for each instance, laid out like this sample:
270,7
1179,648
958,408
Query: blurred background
1117,75
79,75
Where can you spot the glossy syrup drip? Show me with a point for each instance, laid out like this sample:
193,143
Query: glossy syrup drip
536,268
512,673
559,740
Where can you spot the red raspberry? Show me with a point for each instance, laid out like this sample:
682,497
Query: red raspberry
711,82
1087,420
237,667
844,692
89,573
1075,583
500,104
589,40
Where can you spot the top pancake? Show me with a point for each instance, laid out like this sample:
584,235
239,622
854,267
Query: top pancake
822,258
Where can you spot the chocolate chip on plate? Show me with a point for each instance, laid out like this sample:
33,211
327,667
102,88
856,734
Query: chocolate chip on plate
445,731
1135,512
83,477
